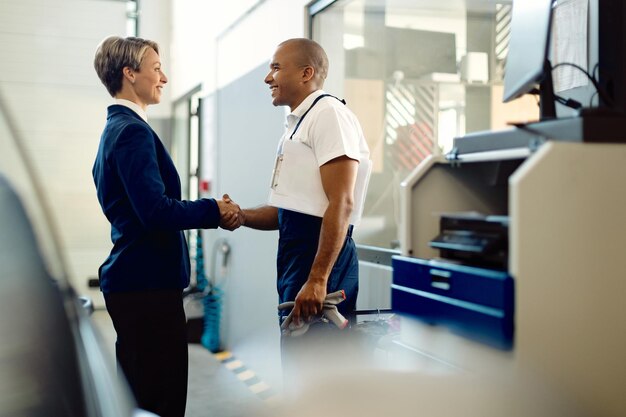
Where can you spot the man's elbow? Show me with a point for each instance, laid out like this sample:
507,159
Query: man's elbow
345,204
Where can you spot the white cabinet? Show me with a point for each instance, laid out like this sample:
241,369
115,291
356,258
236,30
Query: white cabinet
567,238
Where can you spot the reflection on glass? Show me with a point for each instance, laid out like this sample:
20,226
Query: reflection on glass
417,74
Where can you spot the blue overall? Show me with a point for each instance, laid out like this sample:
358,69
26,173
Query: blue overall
297,246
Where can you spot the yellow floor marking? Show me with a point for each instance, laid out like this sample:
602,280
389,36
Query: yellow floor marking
220,356
259,387
245,375
233,364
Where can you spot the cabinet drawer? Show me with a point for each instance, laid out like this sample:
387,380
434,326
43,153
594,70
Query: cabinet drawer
474,302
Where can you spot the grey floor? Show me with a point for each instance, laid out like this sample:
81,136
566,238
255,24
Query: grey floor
214,390
393,381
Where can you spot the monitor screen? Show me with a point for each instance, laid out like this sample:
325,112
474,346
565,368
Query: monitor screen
528,47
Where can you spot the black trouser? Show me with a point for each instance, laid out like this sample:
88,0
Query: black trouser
151,347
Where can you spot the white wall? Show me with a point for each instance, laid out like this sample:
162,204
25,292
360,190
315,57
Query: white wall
195,26
253,40
59,106
214,43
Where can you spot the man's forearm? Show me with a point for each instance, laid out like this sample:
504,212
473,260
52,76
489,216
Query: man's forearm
261,218
332,236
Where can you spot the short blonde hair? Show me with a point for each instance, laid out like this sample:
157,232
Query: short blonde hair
114,53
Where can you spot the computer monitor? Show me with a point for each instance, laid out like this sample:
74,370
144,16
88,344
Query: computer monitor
612,53
527,63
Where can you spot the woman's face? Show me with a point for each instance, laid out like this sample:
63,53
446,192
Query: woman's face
149,80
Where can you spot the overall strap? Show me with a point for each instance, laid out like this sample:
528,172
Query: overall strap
309,109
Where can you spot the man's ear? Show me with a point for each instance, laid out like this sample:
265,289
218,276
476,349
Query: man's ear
308,73
129,74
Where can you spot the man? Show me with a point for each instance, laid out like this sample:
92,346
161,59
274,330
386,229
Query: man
316,255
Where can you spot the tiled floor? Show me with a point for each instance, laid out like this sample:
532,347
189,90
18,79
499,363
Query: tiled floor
214,390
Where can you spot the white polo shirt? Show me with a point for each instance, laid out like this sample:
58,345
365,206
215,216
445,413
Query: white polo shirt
330,129
318,132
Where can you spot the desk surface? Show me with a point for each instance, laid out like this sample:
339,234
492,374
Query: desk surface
404,343
591,127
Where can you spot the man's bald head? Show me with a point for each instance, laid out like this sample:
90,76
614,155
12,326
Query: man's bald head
308,52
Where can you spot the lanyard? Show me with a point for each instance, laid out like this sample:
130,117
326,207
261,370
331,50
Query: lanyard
309,109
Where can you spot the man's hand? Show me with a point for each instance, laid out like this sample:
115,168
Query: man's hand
231,215
309,301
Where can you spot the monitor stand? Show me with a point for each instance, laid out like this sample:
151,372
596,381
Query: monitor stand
547,99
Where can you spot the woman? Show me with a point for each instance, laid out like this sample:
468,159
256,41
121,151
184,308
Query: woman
139,191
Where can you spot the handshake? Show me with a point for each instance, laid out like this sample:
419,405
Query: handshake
231,215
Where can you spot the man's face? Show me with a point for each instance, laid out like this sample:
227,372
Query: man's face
285,78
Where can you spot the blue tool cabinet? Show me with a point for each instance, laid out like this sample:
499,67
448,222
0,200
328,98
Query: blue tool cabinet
474,302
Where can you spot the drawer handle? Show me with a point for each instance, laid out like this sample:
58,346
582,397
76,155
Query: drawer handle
440,279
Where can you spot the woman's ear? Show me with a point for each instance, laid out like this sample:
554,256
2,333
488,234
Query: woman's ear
129,74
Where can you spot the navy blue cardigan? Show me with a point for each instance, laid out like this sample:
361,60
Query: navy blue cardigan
139,191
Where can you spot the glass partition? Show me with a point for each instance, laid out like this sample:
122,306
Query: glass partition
417,74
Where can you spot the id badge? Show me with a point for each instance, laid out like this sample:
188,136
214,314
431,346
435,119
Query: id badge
276,171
